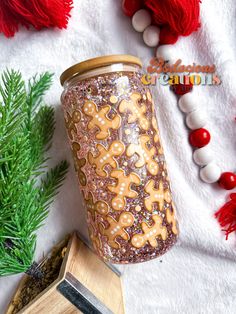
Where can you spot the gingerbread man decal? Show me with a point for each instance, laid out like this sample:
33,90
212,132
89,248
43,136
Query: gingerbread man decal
79,163
117,229
93,232
149,97
100,120
170,217
135,111
156,195
150,233
100,207
145,154
106,157
71,121
123,189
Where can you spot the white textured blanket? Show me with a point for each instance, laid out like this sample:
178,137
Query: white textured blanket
198,275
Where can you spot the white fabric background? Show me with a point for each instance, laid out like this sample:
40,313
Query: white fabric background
199,274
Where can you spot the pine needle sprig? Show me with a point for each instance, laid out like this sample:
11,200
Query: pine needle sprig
37,87
12,96
47,190
27,188
42,130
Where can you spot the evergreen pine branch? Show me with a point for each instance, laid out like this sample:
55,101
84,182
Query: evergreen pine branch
37,89
41,134
15,259
13,173
48,189
24,195
44,123
12,95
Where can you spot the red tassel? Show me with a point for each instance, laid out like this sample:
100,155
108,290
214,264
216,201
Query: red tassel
175,17
167,36
29,13
226,216
8,23
181,89
38,13
58,11
129,7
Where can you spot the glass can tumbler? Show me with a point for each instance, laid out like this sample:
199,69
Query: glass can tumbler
115,141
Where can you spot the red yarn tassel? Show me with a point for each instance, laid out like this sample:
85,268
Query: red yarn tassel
181,89
29,13
167,36
175,17
226,216
58,11
8,23
38,13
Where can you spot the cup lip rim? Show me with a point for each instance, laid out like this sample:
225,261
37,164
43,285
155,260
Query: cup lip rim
90,64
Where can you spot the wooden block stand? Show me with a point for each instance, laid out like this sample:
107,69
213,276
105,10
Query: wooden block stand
85,284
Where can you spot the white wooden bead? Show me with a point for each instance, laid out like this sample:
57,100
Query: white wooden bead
196,119
202,156
210,173
141,20
166,52
188,103
151,36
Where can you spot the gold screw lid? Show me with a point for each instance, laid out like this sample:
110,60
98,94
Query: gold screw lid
94,63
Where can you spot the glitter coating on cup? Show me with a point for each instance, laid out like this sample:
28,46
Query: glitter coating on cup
118,157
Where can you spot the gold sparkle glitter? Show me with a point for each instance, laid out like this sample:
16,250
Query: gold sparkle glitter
125,163
127,131
138,208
